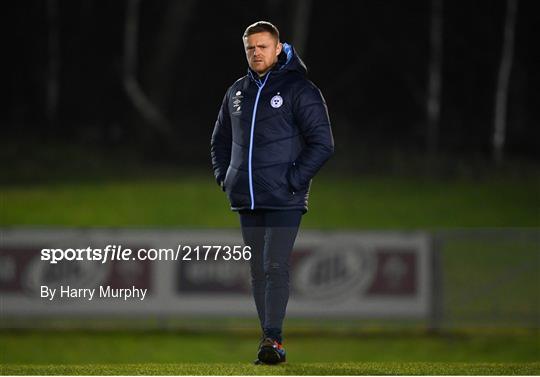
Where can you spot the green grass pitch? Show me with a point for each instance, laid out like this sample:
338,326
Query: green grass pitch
181,353
195,201
348,368
344,203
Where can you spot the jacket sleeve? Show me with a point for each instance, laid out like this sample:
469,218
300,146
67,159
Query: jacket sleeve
220,145
311,115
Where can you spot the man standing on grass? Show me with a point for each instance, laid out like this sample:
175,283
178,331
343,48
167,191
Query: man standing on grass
271,137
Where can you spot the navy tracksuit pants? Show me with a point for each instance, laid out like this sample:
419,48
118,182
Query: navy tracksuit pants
271,235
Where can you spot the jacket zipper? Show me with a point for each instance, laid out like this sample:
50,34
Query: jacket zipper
260,85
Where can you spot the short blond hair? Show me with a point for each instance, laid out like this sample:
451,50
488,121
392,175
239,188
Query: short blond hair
261,27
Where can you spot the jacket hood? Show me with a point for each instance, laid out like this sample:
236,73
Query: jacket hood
288,60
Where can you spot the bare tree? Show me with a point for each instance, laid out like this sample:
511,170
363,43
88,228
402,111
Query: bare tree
301,18
433,98
138,98
53,67
505,68
170,39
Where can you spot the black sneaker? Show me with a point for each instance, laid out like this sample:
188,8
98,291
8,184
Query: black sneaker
271,352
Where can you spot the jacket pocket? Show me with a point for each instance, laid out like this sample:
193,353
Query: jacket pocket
270,178
226,179
291,178
236,181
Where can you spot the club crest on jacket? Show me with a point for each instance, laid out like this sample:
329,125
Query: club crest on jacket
276,101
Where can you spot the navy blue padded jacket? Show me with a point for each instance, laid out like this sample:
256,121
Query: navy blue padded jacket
271,137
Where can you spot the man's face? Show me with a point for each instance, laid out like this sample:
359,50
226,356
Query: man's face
262,51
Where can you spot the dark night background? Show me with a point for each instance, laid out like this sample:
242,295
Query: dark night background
370,59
